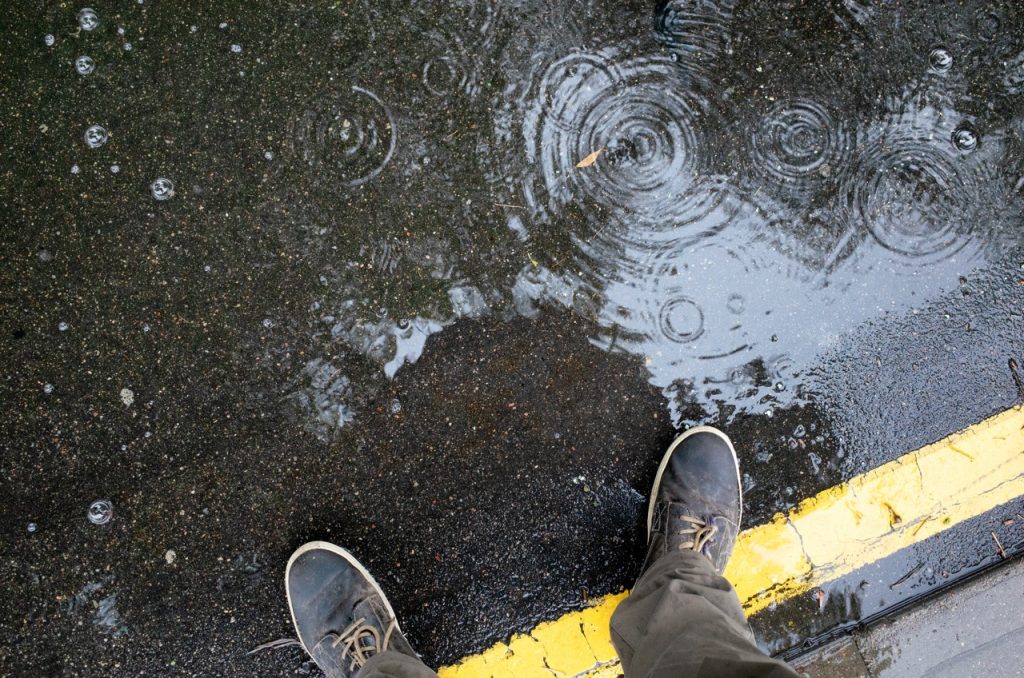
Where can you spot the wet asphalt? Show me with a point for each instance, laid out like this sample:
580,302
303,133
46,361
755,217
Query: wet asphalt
330,271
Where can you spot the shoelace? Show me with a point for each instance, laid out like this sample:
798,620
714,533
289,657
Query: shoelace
352,639
702,533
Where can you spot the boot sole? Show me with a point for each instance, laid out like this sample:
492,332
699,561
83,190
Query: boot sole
664,465
337,550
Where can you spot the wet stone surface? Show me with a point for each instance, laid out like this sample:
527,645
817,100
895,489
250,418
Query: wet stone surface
438,281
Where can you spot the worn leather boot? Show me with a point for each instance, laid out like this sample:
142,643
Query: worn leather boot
340,613
697,500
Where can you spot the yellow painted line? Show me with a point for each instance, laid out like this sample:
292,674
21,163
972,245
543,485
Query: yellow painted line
823,538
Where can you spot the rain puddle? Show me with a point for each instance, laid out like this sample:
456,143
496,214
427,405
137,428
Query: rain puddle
722,208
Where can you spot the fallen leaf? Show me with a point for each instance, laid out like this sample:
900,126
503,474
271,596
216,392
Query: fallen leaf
590,159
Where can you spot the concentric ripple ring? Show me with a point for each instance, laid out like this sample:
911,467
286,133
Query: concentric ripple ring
349,139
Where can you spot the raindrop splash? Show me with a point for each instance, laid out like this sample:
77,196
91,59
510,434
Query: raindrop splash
796,144
912,191
681,320
649,188
348,139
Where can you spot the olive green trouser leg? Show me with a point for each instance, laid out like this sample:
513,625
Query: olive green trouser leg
395,665
683,619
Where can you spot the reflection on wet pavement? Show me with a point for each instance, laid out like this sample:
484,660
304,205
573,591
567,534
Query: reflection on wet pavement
738,210
267,212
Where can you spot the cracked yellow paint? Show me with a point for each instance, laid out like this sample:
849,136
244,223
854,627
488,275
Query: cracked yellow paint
825,537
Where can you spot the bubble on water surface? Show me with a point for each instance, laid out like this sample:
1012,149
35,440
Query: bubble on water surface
395,407
85,65
114,169
49,40
31,528
48,389
348,139
965,138
63,326
88,19
95,136
940,60
75,169
127,396
100,512
237,49
162,189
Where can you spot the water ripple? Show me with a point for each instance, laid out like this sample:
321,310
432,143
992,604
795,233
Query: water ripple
917,189
695,29
798,144
651,184
1013,75
348,139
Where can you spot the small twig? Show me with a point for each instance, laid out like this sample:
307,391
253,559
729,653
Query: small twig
514,207
920,525
907,576
1002,551
959,451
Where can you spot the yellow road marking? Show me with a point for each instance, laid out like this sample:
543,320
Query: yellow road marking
823,538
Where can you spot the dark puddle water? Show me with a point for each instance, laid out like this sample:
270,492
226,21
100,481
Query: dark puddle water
272,209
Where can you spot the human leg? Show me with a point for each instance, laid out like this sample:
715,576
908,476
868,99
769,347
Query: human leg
683,617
